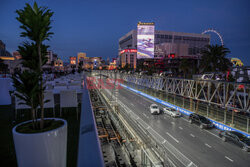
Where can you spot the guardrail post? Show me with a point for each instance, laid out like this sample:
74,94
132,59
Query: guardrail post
247,125
174,99
225,116
208,107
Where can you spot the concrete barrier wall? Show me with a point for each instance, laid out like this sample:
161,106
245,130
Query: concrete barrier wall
218,125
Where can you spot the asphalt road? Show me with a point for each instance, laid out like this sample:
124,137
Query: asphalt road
202,147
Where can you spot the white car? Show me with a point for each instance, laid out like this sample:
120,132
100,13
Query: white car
172,112
154,109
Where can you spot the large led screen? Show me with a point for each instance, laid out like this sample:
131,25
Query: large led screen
145,41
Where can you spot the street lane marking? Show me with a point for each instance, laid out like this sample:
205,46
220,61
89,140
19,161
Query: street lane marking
212,134
163,142
145,115
192,135
229,159
184,119
181,128
132,104
172,137
208,145
191,163
172,123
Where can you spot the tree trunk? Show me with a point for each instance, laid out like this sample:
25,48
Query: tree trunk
41,86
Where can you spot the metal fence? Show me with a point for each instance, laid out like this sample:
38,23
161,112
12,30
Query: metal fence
225,116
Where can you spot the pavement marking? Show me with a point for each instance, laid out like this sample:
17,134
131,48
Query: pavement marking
229,159
208,145
192,135
212,134
191,163
172,123
132,104
163,142
172,137
184,119
145,115
181,128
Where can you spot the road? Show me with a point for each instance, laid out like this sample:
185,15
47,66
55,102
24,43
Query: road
202,147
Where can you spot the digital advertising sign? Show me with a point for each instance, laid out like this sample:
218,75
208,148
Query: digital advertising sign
145,40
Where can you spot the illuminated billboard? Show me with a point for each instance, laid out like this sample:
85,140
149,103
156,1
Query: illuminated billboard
145,40
128,51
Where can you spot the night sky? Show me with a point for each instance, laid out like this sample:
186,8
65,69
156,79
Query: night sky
95,26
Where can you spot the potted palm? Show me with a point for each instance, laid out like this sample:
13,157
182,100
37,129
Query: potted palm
40,141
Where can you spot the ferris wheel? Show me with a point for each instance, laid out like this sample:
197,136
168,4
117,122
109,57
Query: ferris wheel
214,31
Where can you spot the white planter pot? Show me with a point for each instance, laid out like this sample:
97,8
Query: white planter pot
45,149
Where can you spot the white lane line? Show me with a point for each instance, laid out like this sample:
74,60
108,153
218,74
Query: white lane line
184,119
132,104
192,135
180,128
229,159
163,142
172,123
212,134
172,137
145,115
191,163
208,145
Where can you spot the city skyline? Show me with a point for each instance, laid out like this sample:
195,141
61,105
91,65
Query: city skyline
95,27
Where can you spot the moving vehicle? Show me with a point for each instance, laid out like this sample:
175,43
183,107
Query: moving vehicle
202,121
154,109
143,73
236,138
165,73
172,112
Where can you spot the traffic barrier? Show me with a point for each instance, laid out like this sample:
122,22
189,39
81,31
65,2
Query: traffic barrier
218,125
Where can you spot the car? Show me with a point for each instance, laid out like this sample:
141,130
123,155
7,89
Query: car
143,73
172,112
202,121
165,73
154,109
236,138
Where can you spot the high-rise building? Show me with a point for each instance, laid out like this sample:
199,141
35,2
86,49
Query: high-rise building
182,44
4,54
72,60
50,57
2,45
80,57
167,45
128,57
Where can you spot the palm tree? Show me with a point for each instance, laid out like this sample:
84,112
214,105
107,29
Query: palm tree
184,66
30,57
36,23
214,59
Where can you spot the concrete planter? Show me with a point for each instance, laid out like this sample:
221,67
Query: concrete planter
41,149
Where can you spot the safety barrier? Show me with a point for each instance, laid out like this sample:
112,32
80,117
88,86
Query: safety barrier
218,125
